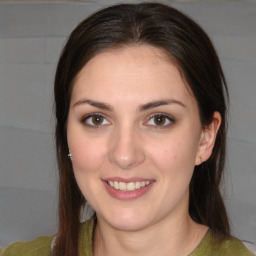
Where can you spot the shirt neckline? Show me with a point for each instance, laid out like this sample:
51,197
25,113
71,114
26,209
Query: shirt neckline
87,237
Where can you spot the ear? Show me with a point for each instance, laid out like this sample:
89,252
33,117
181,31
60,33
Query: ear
207,139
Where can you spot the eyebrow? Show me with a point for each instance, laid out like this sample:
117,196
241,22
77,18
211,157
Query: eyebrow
93,103
158,103
144,107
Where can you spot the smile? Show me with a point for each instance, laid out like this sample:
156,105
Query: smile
130,186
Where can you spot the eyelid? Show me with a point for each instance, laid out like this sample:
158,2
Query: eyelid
170,118
167,116
86,117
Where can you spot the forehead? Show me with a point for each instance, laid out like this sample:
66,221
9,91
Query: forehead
142,70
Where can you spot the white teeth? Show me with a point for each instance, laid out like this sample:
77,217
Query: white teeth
116,185
122,186
137,185
130,186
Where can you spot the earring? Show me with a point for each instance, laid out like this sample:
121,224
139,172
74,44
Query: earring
69,155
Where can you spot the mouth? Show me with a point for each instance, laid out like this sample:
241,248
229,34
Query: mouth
128,186
128,189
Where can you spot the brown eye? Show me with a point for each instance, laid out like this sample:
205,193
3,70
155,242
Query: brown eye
95,120
159,120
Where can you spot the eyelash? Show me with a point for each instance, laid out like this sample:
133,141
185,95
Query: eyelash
85,119
167,118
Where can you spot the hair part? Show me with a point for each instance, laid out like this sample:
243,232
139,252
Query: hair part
191,50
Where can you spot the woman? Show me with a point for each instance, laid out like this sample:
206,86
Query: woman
141,133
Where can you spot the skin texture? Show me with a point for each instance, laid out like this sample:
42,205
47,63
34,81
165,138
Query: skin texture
128,142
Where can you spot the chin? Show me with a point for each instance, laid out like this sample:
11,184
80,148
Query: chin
128,225
126,221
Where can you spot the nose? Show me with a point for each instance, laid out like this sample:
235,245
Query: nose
126,149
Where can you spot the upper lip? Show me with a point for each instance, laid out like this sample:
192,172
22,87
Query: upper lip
127,180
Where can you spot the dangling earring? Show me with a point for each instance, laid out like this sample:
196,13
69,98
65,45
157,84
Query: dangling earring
69,155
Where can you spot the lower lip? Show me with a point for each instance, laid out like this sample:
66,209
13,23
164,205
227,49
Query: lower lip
127,195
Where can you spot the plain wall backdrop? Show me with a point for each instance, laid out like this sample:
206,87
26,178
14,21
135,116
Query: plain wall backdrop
31,38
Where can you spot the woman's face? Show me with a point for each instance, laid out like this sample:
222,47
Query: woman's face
134,133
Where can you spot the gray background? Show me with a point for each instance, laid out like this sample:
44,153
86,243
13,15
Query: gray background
31,38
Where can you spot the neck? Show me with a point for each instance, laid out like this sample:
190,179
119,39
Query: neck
177,237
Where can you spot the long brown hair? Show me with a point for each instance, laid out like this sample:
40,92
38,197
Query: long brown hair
189,47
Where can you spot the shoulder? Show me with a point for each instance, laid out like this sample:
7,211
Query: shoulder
234,247
40,246
229,247
211,246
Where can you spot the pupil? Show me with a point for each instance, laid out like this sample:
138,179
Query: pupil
159,120
97,120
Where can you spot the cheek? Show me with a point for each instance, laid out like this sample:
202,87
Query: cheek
87,160
174,154
87,155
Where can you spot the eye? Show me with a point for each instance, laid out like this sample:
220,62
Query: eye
95,120
160,120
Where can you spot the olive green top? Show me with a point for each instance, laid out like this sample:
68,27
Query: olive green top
42,245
